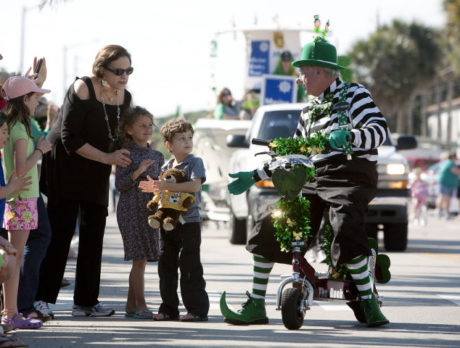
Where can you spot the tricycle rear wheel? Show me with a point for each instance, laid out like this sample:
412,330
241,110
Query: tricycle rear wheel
291,312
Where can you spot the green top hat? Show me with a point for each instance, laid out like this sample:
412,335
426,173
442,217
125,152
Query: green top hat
319,53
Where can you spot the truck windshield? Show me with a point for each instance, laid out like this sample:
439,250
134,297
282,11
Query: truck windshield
279,124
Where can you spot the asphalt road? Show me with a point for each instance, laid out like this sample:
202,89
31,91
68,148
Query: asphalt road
422,301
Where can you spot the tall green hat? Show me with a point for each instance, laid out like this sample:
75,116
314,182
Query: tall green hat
319,52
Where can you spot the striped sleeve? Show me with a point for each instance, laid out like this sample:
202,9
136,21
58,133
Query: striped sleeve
369,126
300,131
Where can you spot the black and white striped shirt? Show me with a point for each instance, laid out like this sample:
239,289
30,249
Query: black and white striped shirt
368,125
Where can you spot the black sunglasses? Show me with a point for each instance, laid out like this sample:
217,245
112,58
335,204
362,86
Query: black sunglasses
119,71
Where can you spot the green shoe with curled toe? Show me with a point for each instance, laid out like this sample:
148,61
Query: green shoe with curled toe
252,312
371,309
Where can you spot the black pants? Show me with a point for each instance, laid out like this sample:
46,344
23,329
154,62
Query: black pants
63,216
344,189
180,248
341,188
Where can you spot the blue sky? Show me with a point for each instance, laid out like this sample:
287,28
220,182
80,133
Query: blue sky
170,40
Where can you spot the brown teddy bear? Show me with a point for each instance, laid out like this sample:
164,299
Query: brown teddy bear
170,204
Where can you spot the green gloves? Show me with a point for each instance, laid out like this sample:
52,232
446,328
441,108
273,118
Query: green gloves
244,182
339,138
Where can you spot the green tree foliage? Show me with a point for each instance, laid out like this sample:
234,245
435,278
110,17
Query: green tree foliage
394,63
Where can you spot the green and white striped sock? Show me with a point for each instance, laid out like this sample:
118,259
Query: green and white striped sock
262,269
359,271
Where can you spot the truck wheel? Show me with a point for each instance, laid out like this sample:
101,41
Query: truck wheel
395,237
290,309
237,230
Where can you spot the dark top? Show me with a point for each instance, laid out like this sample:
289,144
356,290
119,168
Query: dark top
67,175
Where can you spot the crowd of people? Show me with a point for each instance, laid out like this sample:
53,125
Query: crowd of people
76,162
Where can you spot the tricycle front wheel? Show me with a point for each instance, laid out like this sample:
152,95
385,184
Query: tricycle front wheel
291,310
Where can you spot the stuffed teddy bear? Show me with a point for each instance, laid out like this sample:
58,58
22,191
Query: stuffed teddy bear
170,204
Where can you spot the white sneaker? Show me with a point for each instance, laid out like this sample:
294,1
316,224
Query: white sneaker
98,310
43,308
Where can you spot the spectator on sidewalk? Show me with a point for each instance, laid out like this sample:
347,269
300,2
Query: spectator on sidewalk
84,146
226,108
21,156
140,242
448,182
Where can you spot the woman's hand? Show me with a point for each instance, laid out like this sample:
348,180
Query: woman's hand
43,145
120,158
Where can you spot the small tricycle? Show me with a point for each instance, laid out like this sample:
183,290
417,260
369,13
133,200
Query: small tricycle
307,284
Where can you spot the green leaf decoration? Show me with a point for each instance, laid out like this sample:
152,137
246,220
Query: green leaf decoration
307,147
292,222
289,183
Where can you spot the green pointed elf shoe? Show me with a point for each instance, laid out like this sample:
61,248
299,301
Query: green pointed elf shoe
371,309
252,312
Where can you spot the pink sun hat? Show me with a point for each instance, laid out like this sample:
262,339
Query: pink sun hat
17,86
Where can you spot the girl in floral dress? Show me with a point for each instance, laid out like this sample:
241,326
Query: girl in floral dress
140,241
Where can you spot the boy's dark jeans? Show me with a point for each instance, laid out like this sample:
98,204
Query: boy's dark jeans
180,248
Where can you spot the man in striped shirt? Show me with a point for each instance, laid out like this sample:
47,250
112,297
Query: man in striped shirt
345,180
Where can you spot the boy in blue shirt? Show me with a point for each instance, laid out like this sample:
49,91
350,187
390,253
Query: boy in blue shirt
180,248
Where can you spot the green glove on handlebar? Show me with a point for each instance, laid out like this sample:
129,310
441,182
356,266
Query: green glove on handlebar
244,181
339,138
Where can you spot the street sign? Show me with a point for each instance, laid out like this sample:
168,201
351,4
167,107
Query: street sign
278,89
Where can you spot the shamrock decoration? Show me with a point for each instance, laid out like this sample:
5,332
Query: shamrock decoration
289,183
382,264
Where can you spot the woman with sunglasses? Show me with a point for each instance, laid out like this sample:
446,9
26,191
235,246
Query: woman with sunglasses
226,108
75,177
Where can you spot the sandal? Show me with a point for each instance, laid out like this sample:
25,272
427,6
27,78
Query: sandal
143,314
190,317
19,322
164,317
8,341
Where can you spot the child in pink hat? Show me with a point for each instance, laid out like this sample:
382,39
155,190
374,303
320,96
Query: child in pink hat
21,157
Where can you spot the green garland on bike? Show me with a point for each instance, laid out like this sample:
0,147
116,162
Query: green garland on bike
292,217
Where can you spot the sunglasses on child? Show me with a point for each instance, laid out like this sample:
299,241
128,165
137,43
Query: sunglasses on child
119,71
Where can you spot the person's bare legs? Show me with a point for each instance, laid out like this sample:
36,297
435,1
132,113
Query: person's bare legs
10,286
136,298
445,203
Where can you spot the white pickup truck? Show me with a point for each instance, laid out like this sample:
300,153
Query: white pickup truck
387,212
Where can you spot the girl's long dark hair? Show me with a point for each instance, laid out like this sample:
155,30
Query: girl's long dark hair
127,120
16,110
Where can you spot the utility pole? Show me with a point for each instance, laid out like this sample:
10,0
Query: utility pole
23,36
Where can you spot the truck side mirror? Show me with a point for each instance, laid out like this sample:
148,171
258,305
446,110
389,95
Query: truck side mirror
237,140
406,142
